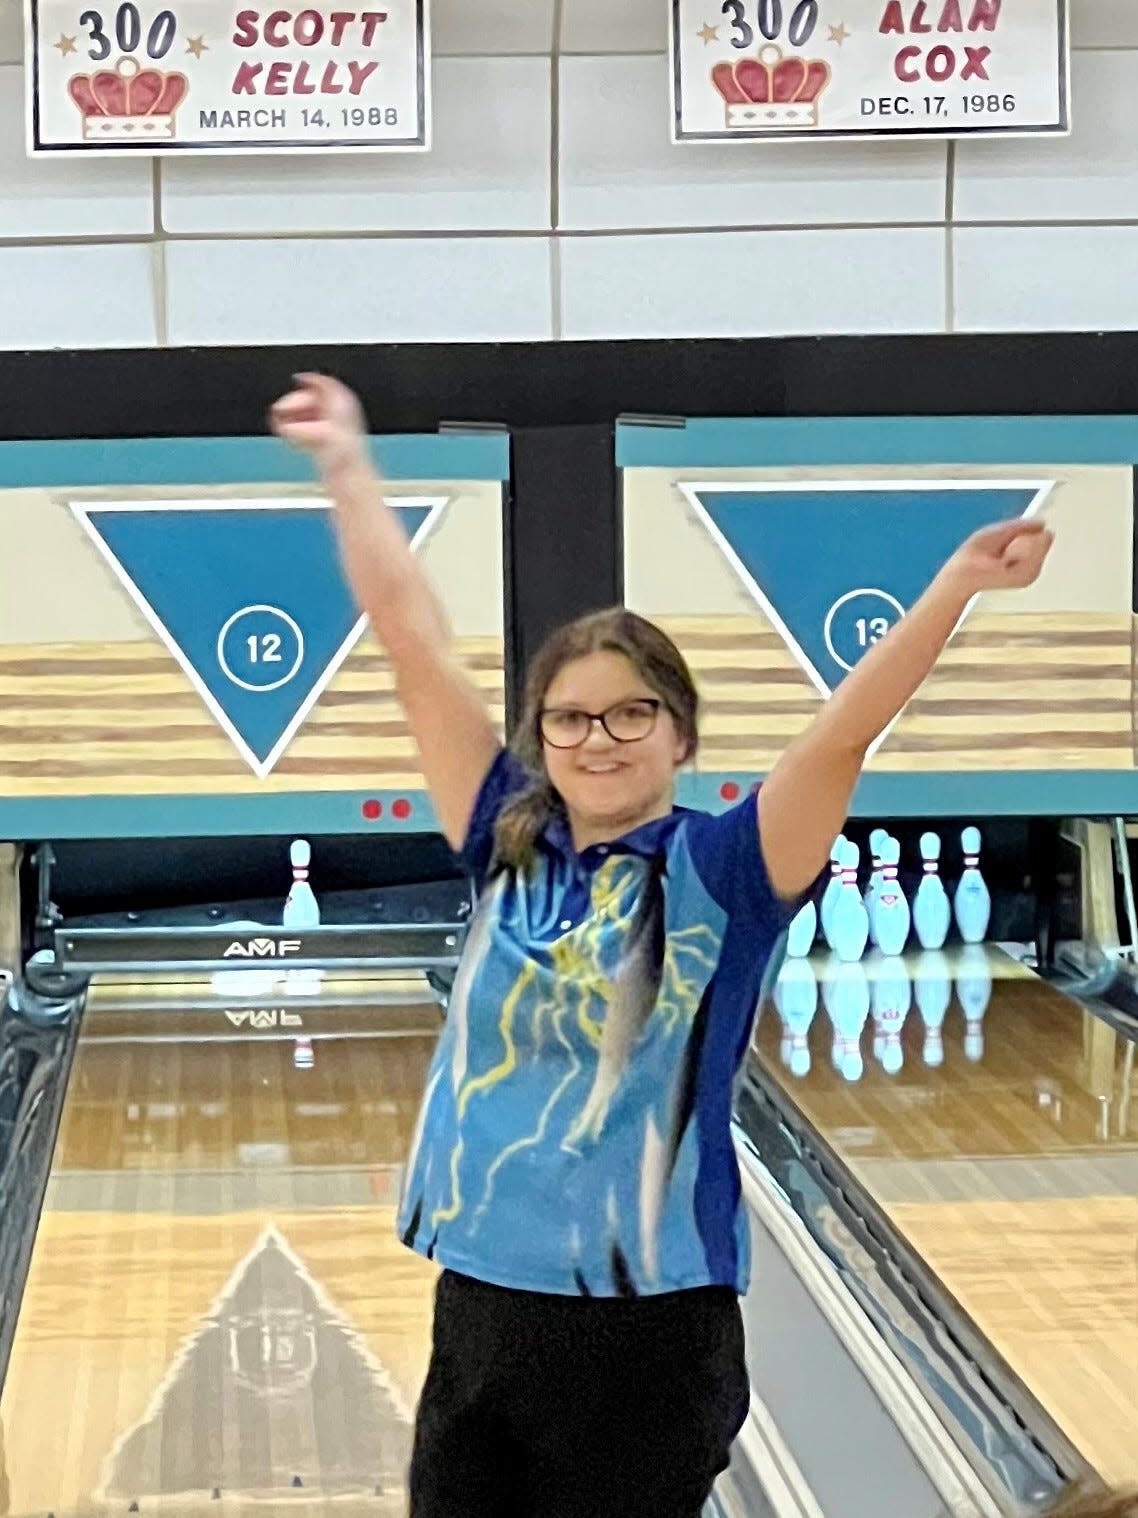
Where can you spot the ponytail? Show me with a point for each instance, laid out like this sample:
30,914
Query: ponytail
522,823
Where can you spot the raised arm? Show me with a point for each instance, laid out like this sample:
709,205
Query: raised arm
445,711
804,802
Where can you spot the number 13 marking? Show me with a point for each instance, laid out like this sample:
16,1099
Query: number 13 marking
871,630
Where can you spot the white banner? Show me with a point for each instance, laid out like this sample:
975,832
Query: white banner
791,70
209,76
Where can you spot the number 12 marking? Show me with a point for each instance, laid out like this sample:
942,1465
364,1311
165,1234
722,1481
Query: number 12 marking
265,650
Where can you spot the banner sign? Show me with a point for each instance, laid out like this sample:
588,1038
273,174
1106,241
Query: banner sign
221,76
791,70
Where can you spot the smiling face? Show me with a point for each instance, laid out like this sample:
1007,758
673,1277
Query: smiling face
609,786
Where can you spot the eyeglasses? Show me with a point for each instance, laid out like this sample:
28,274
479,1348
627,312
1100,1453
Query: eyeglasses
627,722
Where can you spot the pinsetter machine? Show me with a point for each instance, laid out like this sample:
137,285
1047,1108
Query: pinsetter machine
122,910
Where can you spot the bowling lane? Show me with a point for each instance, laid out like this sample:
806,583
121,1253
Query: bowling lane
217,1306
1003,1146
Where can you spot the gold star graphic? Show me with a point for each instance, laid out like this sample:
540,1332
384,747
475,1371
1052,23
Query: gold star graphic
65,45
708,33
839,34
197,46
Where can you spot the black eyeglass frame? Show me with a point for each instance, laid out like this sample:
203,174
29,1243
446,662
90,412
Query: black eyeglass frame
653,702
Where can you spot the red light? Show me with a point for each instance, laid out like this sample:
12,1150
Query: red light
729,791
373,810
401,809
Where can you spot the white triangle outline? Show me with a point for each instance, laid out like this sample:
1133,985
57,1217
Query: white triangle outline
270,1233
84,511
691,489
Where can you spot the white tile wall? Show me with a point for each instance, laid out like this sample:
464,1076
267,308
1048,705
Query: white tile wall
474,27
1092,175
619,169
488,170
519,226
735,284
62,198
77,297
1046,279
11,32
1104,23
613,26
343,290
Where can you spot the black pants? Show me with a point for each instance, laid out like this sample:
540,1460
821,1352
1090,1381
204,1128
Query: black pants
563,1407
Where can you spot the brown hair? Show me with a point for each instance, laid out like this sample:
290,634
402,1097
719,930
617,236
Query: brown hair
654,656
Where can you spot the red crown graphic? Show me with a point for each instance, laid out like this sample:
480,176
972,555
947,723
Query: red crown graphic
128,103
771,90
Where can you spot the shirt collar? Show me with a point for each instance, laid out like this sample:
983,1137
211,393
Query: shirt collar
646,840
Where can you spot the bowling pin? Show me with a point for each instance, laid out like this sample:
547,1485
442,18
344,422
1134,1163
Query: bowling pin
784,1042
876,839
301,910
931,910
776,995
303,1054
889,915
802,932
796,996
933,986
231,984
833,886
849,1001
303,982
849,921
892,999
829,980
876,1008
973,902
974,992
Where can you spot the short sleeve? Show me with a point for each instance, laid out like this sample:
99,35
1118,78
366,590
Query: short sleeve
505,779
728,856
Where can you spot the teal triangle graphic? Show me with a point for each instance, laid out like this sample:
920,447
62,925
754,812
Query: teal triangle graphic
835,564
248,596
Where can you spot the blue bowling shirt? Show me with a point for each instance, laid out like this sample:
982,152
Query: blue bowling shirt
575,1134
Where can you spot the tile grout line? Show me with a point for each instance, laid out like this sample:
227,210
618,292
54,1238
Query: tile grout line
556,317
158,259
950,239
161,302
530,234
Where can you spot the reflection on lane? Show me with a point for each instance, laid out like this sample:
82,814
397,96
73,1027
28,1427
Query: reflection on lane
245,1326
888,988
993,1119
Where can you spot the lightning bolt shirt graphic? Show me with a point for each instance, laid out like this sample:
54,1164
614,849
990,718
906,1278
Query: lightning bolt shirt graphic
575,1134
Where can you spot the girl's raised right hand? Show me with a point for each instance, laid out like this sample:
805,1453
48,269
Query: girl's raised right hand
322,417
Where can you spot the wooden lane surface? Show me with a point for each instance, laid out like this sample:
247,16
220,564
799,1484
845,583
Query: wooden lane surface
1024,691
347,1006
1016,1179
218,1221
1054,1285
